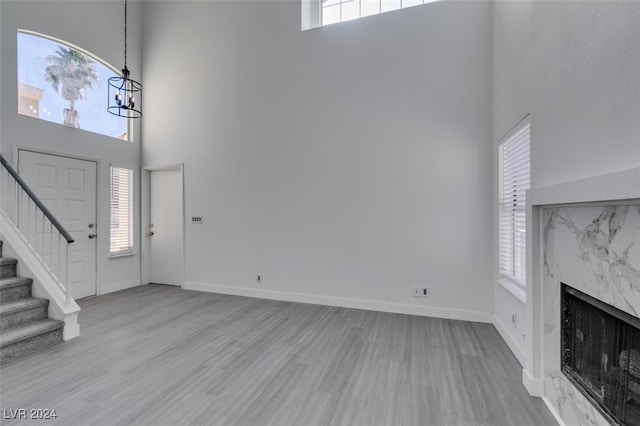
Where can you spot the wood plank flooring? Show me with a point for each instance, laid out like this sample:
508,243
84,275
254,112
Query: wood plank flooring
160,355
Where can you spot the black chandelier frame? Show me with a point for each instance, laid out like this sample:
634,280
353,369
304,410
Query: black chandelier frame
124,93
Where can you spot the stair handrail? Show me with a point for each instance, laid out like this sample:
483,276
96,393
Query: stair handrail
37,201
53,222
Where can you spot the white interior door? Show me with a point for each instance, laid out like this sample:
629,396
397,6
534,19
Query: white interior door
67,187
165,227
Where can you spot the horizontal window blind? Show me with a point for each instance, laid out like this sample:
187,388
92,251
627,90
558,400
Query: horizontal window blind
515,179
121,241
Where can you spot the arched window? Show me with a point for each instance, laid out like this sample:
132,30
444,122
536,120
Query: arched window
65,84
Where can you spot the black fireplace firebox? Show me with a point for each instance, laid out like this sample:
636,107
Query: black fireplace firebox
601,355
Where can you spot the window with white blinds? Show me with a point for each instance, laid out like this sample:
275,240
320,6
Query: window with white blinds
121,241
515,177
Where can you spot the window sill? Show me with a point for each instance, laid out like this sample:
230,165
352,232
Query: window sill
517,291
117,255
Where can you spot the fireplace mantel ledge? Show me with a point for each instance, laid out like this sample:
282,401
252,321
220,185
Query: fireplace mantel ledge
612,187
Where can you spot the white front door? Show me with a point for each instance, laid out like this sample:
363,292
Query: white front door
67,187
165,227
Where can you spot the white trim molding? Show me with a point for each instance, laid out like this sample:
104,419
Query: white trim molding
517,350
344,302
513,288
113,287
620,186
534,386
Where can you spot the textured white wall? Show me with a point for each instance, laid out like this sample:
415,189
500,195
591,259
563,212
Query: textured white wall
350,161
585,89
512,67
512,71
89,25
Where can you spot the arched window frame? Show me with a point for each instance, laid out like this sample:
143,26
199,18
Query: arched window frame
103,82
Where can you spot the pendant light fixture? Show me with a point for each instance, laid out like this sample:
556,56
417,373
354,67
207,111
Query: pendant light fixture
125,94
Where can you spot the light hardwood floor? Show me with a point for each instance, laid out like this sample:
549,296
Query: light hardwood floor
157,355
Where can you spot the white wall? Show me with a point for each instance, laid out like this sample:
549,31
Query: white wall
94,26
575,67
585,89
348,162
512,68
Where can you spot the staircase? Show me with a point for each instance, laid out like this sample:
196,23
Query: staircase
24,323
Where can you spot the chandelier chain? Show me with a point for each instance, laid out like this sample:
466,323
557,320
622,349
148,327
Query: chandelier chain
125,33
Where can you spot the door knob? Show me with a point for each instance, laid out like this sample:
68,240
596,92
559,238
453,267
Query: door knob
151,234
92,235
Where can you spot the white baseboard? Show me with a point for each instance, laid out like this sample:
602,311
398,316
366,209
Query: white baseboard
112,287
554,412
343,302
535,387
510,341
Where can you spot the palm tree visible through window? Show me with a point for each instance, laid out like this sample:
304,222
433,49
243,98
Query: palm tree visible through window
64,84
74,72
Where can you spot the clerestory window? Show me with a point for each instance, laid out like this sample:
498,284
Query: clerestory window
64,84
317,13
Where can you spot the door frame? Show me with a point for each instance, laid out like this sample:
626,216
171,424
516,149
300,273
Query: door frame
97,193
145,210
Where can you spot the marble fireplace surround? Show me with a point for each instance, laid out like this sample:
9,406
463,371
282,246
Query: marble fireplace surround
585,233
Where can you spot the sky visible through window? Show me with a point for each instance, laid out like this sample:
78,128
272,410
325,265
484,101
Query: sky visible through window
334,11
37,97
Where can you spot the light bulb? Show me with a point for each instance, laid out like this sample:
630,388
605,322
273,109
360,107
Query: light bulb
118,98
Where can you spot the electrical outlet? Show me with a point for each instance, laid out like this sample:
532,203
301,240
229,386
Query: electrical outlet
421,292
259,279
